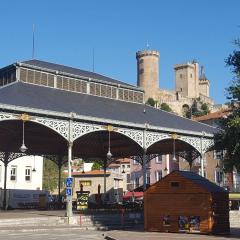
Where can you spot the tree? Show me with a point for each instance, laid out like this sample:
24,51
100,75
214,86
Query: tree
151,102
197,112
96,166
50,175
228,138
165,107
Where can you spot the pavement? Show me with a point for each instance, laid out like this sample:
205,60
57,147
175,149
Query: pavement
18,213
141,235
10,232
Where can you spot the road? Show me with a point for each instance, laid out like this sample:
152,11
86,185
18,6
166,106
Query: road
52,234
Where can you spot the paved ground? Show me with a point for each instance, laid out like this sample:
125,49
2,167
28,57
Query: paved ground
17,213
140,235
74,233
52,234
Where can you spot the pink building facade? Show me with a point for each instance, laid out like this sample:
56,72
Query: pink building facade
157,168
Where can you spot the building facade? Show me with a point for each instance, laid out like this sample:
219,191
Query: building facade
23,173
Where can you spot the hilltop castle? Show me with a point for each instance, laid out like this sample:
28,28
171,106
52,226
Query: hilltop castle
190,86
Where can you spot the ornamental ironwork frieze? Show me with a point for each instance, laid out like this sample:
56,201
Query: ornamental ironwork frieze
153,137
135,135
207,144
7,116
193,141
80,129
59,126
10,156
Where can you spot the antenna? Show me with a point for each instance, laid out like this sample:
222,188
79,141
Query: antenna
33,42
148,45
93,60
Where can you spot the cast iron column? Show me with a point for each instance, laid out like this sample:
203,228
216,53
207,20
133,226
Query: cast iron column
144,167
70,144
6,155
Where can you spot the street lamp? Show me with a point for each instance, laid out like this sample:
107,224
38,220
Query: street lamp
34,169
23,148
109,154
174,136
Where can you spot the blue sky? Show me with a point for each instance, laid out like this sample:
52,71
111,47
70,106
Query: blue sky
67,32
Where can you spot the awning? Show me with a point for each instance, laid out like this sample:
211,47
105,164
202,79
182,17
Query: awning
234,196
130,195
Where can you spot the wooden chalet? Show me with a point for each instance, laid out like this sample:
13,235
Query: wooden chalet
186,202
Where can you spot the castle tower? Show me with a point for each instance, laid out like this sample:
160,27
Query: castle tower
148,72
203,83
187,79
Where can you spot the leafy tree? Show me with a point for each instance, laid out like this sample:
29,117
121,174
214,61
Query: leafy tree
165,107
96,166
50,175
204,110
151,102
229,137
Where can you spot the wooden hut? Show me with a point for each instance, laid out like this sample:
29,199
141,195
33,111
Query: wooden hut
185,201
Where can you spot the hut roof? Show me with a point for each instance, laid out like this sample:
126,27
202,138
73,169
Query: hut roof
201,181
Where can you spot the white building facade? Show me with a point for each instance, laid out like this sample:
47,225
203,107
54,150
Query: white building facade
23,173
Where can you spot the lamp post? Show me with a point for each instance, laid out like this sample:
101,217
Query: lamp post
174,137
34,169
109,156
23,148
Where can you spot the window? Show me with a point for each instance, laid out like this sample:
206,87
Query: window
181,75
85,183
128,178
175,184
13,173
28,174
158,175
218,176
159,159
191,75
116,183
217,154
136,182
128,166
166,220
148,178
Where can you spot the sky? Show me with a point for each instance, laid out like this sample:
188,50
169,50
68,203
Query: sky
69,31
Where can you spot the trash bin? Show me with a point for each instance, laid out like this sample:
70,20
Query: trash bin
43,201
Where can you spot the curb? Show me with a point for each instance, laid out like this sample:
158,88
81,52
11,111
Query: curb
109,238
53,229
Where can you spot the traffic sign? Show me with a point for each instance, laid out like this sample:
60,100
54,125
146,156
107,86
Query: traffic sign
68,191
69,181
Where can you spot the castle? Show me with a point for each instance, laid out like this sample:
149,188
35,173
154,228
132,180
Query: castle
191,88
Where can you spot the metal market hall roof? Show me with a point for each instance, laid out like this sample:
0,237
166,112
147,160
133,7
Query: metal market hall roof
73,71
51,99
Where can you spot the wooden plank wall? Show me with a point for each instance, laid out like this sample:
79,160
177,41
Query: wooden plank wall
189,199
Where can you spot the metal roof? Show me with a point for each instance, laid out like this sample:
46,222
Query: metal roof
201,181
51,99
75,71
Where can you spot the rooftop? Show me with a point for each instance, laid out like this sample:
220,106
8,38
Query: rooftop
56,100
70,70
212,116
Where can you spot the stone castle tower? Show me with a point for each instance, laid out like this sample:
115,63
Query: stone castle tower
148,72
189,86
187,79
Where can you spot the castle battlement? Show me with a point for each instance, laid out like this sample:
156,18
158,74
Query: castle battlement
145,53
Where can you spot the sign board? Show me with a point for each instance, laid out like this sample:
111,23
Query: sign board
82,200
69,181
68,191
